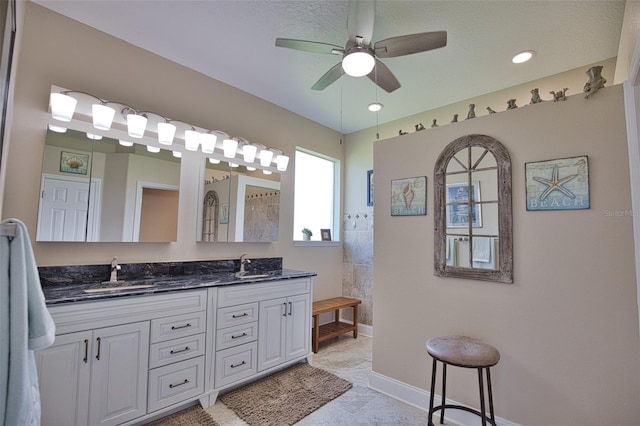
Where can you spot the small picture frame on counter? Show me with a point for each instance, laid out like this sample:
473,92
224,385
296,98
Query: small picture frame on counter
325,234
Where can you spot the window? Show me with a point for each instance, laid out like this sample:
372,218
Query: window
317,189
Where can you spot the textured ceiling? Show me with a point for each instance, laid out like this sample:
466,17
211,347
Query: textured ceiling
233,41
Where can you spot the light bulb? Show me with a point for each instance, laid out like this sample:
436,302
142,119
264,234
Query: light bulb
191,140
358,63
208,142
265,157
166,132
125,143
93,136
153,149
136,125
62,106
282,161
230,146
249,152
102,116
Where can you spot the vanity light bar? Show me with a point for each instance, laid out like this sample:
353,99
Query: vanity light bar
65,103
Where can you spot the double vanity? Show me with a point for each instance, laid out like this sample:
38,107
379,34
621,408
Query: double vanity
166,336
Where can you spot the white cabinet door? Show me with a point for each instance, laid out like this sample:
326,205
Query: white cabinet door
284,330
64,376
272,333
298,326
119,373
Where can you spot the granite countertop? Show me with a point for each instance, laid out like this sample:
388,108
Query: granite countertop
60,294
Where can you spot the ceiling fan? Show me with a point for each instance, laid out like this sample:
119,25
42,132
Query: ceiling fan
359,55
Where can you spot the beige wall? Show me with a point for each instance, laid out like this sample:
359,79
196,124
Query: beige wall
567,328
57,50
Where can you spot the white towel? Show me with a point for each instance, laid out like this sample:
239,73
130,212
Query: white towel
451,249
489,244
25,326
482,249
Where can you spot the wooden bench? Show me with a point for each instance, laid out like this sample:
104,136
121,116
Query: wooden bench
336,328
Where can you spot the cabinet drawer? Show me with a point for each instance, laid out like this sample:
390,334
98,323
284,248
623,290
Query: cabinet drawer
236,315
247,293
176,382
236,363
177,326
171,351
238,335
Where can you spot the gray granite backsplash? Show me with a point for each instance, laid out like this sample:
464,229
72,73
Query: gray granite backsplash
82,274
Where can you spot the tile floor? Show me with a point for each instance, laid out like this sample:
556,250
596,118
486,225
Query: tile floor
350,359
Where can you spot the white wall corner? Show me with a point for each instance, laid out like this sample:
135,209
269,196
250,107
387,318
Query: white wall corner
419,398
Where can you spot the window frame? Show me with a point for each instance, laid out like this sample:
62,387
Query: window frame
335,217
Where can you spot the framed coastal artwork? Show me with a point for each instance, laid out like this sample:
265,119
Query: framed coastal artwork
561,184
409,196
73,162
458,215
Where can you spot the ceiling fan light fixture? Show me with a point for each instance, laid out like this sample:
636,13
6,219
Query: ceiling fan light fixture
523,57
358,62
375,106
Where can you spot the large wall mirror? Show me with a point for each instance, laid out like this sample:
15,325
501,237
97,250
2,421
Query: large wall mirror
103,191
238,205
473,218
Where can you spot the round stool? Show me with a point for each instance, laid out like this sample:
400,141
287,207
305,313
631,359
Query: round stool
465,352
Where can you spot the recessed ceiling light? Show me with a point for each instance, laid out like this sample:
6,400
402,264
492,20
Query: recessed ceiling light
523,57
375,106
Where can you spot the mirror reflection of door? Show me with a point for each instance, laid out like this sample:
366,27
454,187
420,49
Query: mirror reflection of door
211,209
158,215
67,209
120,170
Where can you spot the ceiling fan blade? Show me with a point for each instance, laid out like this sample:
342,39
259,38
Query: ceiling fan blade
362,14
409,44
383,77
309,46
329,77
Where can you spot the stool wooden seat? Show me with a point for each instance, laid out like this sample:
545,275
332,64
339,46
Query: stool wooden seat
465,352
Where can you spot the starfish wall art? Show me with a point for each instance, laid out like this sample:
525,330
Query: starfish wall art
561,184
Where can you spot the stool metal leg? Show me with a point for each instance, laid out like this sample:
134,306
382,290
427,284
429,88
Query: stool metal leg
433,391
482,407
444,390
493,418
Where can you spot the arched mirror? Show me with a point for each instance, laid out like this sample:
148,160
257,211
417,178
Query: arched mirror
473,219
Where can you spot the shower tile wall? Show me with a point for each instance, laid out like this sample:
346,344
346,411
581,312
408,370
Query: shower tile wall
357,258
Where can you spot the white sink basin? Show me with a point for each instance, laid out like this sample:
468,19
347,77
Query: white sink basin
248,277
109,286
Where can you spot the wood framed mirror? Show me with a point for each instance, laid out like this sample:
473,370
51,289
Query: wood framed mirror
473,214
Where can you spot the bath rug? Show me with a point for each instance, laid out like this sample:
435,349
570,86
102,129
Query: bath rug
285,397
192,416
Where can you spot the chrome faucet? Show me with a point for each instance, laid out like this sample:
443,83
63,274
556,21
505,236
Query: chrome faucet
243,262
114,270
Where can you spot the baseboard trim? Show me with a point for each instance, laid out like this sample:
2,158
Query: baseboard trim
365,330
419,398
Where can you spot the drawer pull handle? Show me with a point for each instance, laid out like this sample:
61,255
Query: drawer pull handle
99,344
178,327
86,351
175,385
186,348
238,365
239,336
244,314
